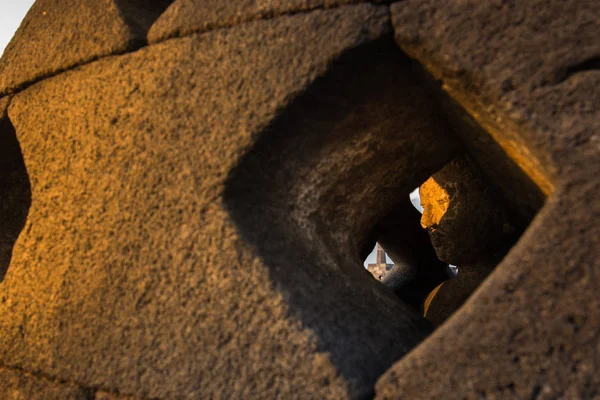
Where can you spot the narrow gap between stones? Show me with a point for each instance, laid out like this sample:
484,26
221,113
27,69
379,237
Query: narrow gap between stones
591,64
140,15
140,25
333,175
265,15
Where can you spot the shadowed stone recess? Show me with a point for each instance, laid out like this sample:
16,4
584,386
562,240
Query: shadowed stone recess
141,14
528,330
469,226
462,214
17,385
451,295
499,64
312,188
185,17
57,35
15,190
417,270
145,268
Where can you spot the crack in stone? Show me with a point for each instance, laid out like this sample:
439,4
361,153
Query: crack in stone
591,64
138,45
90,392
267,16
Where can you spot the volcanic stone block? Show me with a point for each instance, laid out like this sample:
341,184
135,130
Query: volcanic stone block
199,206
530,328
498,64
184,17
57,35
18,385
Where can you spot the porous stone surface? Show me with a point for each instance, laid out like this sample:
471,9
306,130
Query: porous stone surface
18,385
529,329
184,17
101,395
199,207
57,35
4,102
139,15
462,214
499,65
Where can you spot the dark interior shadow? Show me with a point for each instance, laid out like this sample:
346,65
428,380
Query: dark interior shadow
139,15
417,270
504,175
312,239
15,190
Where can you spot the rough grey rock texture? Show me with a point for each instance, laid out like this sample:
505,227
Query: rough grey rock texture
199,206
531,328
184,17
57,35
17,385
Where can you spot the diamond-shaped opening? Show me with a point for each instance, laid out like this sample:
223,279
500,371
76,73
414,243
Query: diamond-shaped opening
335,161
332,176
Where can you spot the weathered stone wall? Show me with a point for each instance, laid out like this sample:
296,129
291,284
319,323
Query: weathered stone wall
527,74
193,185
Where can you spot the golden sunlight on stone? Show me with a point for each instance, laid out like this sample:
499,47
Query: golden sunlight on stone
435,201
